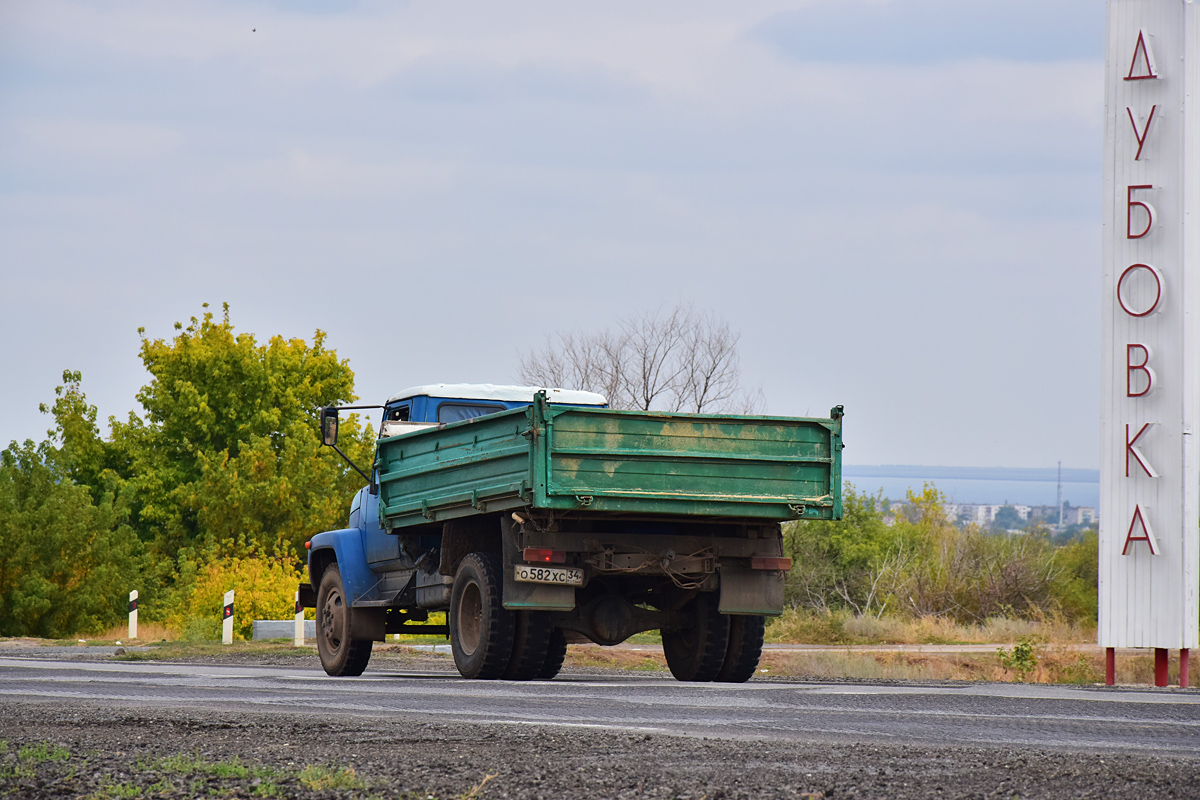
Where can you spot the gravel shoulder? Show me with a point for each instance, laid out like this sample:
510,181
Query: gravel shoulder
60,748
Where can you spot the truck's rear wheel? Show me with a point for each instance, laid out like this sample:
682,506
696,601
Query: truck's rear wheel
745,648
481,629
340,655
531,638
556,652
696,651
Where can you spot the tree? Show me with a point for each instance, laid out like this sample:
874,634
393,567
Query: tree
925,565
226,455
851,562
66,562
681,360
968,573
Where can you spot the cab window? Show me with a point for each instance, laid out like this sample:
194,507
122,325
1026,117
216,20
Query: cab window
454,412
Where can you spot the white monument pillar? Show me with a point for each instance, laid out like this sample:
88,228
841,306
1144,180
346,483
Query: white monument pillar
1150,402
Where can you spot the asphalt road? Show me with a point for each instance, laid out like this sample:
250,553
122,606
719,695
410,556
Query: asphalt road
1159,722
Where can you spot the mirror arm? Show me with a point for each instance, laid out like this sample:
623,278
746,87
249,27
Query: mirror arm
366,477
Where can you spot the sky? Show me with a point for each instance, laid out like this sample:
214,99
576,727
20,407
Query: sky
895,202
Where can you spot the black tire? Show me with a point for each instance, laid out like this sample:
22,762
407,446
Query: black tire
340,655
696,651
745,648
531,638
481,629
556,652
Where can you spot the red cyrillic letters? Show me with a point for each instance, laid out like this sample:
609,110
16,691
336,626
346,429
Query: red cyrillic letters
1147,533
1131,449
1129,204
1139,292
1128,274
1141,51
1147,372
1140,135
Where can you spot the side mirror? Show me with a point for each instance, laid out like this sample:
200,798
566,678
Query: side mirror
329,427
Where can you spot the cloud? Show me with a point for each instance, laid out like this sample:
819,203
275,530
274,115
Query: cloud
891,230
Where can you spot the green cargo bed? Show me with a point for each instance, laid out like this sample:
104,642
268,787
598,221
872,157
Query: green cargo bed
574,458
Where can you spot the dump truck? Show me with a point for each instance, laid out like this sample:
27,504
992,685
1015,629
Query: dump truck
534,518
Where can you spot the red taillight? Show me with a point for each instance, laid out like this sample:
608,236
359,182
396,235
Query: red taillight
770,562
540,555
308,545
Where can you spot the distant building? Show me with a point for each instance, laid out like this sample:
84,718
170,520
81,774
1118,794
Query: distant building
1071,515
983,514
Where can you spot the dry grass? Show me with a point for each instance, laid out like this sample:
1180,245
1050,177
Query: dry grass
1055,664
837,627
592,655
859,665
179,650
147,632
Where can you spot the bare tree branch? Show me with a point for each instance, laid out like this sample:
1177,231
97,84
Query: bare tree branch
680,360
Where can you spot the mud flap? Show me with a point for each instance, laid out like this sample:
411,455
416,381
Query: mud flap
368,623
529,596
750,591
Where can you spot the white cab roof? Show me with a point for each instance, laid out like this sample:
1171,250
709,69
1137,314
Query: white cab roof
492,391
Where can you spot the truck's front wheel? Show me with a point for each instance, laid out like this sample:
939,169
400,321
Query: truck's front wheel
341,656
481,629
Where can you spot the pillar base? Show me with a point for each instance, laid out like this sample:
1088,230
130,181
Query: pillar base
1183,668
1162,660
1110,666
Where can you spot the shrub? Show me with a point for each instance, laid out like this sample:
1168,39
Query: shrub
264,588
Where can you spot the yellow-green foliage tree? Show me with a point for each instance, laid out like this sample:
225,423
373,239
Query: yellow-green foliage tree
264,588
223,462
226,455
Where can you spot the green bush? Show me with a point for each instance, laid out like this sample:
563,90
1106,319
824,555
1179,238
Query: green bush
67,563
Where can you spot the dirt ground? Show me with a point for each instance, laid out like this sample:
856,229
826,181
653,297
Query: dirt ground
68,749
60,749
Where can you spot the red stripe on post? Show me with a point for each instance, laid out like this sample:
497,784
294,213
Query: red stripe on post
229,610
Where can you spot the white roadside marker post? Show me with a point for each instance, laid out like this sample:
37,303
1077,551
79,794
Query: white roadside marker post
133,596
227,622
299,631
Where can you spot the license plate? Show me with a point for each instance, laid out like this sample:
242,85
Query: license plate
562,576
